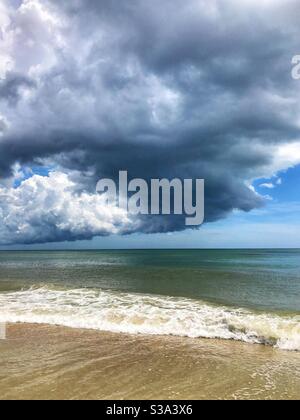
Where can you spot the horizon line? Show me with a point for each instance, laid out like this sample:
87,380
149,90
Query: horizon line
153,249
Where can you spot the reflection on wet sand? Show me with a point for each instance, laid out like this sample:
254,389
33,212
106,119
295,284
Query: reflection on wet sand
46,362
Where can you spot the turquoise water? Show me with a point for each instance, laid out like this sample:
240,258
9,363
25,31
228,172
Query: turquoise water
253,279
249,295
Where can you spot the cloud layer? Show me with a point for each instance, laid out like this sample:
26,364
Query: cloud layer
201,89
49,209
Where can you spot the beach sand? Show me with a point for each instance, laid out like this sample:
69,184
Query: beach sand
47,362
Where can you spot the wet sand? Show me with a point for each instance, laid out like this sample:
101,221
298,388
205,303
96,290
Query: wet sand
46,362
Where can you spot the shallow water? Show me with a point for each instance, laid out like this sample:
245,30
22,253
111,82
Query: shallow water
150,325
249,295
43,362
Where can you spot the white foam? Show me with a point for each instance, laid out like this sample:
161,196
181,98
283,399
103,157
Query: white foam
145,314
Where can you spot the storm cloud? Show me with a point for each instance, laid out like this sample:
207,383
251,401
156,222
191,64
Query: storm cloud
199,89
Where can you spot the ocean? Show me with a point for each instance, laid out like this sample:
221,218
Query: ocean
250,296
184,324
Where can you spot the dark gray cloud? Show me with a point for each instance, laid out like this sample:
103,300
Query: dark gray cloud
197,89
11,87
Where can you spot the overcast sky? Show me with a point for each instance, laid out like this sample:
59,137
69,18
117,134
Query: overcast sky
194,89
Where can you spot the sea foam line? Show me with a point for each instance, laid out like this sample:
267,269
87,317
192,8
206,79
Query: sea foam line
148,314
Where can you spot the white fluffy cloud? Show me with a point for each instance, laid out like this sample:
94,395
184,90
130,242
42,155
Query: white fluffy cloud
47,209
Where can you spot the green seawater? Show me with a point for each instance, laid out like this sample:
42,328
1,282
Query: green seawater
260,280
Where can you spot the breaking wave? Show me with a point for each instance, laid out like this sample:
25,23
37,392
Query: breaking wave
148,314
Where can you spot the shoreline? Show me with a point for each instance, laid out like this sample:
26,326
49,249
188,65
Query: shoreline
15,328
53,362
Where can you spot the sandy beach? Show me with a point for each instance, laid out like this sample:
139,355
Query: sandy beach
47,362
